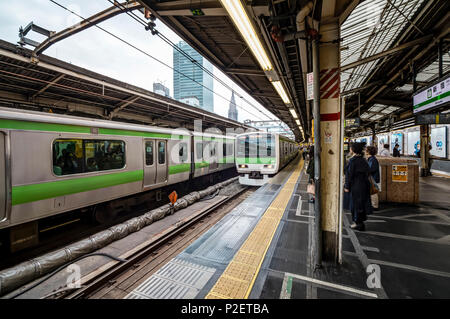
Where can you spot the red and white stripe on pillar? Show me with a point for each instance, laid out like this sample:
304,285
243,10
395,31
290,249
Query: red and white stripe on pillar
329,83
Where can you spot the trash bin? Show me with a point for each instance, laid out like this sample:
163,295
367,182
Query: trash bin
399,180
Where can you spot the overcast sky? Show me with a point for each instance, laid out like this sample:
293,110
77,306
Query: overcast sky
95,50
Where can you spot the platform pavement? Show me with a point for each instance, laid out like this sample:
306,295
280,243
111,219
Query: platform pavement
410,244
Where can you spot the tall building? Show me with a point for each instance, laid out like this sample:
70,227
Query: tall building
183,87
161,89
232,110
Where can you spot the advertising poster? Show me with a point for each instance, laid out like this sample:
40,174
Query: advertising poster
382,139
413,143
439,141
397,138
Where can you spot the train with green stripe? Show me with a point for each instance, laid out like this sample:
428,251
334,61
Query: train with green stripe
52,163
260,156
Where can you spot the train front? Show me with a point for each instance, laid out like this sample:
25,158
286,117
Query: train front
256,158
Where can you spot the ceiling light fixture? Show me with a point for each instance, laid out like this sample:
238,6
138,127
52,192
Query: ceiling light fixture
281,92
240,18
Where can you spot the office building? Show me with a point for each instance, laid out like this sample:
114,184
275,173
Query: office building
184,87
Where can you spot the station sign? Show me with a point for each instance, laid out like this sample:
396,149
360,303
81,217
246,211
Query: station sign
310,86
435,118
354,122
400,173
432,96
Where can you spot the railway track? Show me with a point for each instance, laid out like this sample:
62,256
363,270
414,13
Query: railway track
71,227
150,258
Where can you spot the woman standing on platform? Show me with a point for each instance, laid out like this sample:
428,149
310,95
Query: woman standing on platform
374,169
358,185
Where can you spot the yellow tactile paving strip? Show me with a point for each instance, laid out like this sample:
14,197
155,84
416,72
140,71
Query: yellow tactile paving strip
237,280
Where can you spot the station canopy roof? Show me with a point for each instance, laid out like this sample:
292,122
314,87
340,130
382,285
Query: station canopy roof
384,42
53,85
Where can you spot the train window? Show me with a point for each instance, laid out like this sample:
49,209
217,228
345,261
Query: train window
183,152
213,147
149,153
104,155
269,145
224,149
161,152
67,157
199,150
83,156
229,149
242,143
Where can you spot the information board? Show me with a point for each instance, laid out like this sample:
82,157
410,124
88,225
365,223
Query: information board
433,96
400,173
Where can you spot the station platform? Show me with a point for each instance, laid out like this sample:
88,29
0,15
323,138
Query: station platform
261,251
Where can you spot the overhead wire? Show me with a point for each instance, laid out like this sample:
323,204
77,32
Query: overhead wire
149,55
181,51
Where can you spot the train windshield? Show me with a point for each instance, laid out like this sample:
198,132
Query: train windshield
256,146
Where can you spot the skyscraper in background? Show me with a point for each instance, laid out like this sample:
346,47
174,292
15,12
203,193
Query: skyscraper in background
232,110
183,87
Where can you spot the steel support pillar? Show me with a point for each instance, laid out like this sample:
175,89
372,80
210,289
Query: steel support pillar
330,139
317,238
424,150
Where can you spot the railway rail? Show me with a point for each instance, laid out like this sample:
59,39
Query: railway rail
148,259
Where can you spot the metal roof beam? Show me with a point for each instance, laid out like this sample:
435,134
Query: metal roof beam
387,101
348,10
442,34
56,79
85,24
387,52
123,105
242,71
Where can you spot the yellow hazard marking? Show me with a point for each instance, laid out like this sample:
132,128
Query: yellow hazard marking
238,279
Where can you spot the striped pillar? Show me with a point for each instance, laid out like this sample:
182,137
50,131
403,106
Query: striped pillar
331,139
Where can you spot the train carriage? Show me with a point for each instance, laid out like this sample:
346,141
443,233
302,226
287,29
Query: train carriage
50,163
260,156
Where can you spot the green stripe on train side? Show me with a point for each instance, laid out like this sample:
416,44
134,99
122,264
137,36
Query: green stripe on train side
67,128
227,160
110,131
38,126
201,165
180,168
255,160
31,193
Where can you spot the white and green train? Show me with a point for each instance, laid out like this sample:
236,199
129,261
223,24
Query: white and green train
50,164
260,156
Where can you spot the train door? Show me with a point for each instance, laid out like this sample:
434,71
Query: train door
161,164
3,188
213,148
149,163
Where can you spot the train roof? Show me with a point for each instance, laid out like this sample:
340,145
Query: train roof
263,132
51,118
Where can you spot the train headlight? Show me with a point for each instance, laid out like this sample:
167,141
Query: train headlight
243,166
268,166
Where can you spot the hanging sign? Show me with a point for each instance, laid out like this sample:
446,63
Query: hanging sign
310,85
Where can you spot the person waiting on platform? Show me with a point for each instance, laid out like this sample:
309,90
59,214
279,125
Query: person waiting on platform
358,185
310,172
385,151
374,173
396,150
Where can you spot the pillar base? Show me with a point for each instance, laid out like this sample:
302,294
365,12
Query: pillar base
330,246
